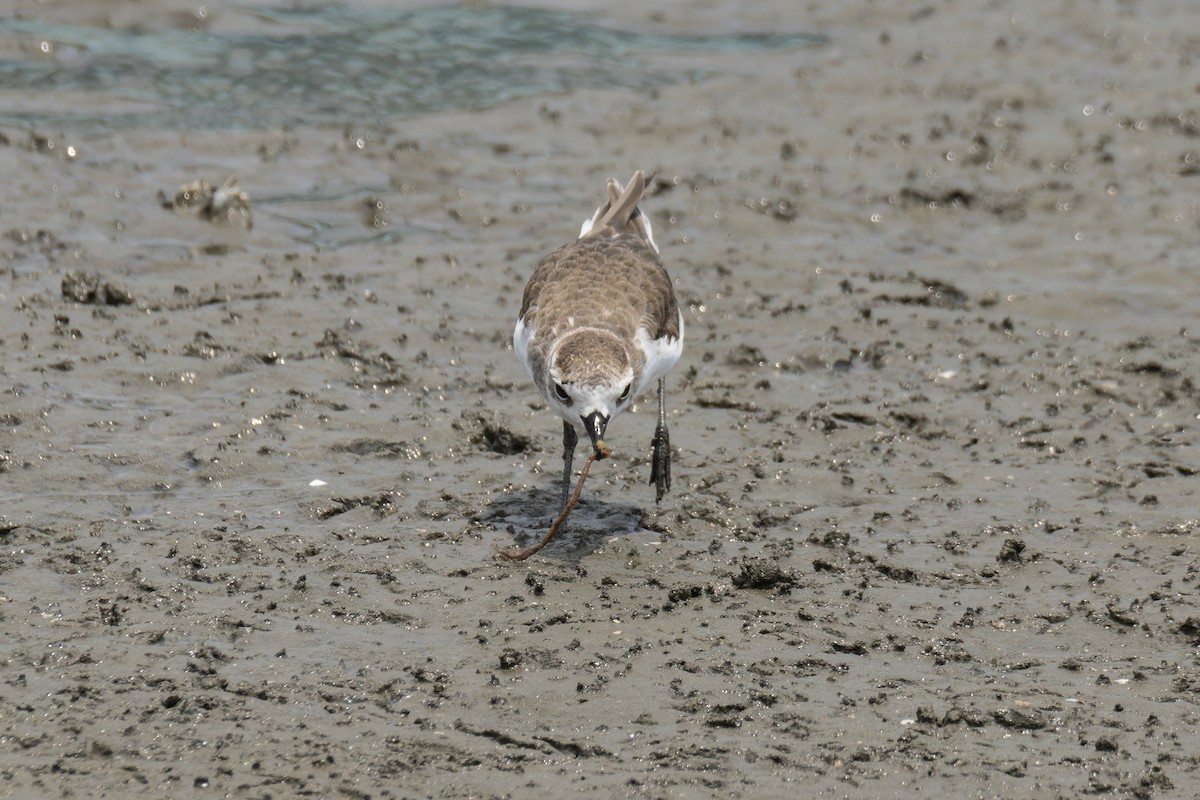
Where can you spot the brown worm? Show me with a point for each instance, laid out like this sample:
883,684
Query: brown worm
521,555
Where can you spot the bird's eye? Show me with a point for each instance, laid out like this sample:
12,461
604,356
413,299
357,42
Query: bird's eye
625,394
562,393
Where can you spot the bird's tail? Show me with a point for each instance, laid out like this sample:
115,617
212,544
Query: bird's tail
621,213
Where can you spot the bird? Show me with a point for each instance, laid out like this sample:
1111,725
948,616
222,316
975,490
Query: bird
599,325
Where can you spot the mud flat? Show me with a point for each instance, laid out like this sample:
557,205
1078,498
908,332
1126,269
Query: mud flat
933,525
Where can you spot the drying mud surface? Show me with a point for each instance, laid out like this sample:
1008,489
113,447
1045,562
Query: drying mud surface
933,524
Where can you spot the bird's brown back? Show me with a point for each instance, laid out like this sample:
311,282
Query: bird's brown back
612,283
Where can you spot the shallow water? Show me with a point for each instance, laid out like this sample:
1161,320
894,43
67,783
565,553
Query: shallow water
329,64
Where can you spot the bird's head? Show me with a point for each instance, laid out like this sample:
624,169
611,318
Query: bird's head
592,379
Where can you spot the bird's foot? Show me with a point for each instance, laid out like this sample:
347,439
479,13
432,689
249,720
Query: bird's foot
660,467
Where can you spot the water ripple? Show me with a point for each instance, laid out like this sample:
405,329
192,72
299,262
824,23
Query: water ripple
333,64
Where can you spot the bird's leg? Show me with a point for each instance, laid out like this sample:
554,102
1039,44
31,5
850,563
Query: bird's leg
660,468
570,439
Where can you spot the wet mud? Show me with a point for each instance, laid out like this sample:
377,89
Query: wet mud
932,528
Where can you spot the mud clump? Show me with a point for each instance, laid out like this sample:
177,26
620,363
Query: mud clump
92,288
763,573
